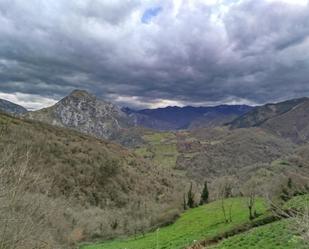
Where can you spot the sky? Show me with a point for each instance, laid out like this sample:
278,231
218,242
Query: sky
149,54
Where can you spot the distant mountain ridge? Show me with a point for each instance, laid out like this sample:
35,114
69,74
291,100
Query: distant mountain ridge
260,114
288,119
176,118
11,108
86,113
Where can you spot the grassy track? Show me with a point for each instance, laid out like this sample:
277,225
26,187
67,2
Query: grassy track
195,224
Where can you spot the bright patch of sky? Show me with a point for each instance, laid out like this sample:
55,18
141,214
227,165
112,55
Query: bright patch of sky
151,13
136,102
29,101
298,2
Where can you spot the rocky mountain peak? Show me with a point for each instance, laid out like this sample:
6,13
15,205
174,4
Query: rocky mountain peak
81,94
82,111
85,103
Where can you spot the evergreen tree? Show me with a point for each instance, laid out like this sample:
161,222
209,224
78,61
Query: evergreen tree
184,202
190,197
205,194
285,194
289,183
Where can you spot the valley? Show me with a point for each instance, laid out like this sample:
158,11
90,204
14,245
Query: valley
105,178
134,124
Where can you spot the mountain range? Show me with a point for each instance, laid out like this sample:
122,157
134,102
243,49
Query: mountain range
177,118
86,113
288,119
109,190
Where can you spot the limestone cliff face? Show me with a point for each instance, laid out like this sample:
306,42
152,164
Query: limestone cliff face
84,112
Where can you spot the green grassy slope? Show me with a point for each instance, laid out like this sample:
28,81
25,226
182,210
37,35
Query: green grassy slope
276,235
298,202
195,224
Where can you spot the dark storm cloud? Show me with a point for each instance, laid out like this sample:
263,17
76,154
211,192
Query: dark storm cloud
189,52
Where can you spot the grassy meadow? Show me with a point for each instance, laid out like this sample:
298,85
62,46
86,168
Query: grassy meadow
195,224
276,235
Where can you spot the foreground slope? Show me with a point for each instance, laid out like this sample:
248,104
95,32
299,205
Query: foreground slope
97,187
283,234
277,235
195,224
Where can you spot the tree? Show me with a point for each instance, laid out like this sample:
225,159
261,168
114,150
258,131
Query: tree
290,183
205,194
24,218
285,195
224,189
184,202
190,202
251,191
288,192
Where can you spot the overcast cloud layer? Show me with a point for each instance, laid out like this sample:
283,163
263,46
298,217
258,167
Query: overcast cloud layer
154,53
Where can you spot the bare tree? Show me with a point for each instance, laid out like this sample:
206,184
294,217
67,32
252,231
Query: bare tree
251,190
21,220
224,188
